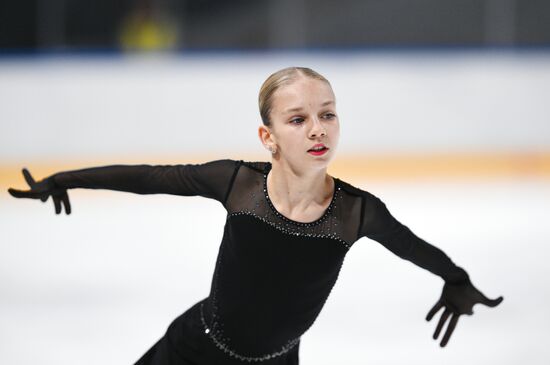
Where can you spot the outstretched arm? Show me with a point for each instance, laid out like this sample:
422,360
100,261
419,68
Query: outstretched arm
378,224
211,179
458,296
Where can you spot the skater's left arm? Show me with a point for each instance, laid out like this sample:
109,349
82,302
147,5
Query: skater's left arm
458,296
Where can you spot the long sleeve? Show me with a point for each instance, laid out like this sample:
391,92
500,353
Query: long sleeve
211,179
377,223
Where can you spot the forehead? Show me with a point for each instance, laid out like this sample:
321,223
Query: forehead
301,92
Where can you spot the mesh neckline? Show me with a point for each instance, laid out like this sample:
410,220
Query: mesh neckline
267,168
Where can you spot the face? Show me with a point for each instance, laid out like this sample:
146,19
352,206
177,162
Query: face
303,114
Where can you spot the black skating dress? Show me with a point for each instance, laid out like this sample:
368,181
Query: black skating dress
273,274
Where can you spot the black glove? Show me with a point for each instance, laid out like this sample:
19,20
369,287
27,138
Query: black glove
458,299
42,190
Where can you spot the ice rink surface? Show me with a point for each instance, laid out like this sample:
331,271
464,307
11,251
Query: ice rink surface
101,285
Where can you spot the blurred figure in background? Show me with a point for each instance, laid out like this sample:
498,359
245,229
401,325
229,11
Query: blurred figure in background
148,27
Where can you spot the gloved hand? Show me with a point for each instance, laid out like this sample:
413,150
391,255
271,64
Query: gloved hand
42,190
457,299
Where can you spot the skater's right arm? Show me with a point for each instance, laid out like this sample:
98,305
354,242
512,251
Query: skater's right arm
211,179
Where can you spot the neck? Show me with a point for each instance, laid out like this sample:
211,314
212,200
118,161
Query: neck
296,192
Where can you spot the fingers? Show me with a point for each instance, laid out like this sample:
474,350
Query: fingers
24,193
434,310
17,193
450,328
28,177
66,203
442,320
57,200
27,193
492,302
57,204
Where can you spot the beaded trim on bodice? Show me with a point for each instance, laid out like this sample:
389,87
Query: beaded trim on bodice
303,224
327,226
221,344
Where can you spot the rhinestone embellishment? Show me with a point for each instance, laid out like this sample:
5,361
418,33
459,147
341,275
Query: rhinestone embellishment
303,224
220,343
285,229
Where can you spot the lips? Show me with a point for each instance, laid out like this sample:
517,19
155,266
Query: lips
317,147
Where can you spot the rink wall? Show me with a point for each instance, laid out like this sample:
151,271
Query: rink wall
403,114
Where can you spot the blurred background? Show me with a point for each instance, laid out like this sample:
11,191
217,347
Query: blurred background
443,106
265,24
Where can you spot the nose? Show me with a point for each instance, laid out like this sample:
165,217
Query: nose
317,129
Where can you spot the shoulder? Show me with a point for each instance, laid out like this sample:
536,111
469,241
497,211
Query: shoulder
371,207
228,164
222,163
258,166
372,214
358,192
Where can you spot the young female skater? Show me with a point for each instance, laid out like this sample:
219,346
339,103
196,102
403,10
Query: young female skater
289,225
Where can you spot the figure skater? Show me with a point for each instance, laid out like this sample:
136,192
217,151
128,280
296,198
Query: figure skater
289,226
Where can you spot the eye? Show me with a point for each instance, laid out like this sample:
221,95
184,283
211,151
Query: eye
330,115
297,120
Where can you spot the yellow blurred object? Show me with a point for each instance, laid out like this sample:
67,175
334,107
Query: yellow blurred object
139,32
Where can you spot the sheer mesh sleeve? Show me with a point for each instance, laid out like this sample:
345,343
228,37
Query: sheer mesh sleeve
211,179
378,223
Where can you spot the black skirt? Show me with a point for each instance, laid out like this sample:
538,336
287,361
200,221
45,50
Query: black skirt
186,343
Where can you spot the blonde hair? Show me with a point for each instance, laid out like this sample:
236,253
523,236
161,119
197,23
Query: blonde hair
278,79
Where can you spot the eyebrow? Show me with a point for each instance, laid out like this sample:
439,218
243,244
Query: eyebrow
297,109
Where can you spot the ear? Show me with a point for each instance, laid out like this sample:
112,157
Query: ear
265,135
